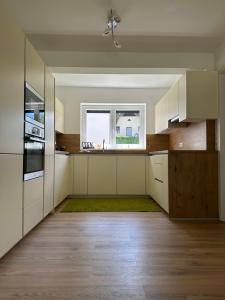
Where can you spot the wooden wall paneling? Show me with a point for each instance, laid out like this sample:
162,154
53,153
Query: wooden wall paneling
157,142
211,135
70,141
154,142
192,137
193,182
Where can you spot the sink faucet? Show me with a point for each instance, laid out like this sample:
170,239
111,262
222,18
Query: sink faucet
103,145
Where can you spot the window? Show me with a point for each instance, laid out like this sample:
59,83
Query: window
98,126
121,126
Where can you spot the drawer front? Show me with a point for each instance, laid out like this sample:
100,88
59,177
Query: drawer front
160,167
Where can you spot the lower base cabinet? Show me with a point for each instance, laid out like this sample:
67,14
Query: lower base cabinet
102,175
80,174
49,184
108,174
33,203
11,201
63,178
158,180
185,183
131,175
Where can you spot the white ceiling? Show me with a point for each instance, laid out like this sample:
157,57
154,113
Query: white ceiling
147,25
116,80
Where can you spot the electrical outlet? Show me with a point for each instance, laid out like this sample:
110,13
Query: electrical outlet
181,145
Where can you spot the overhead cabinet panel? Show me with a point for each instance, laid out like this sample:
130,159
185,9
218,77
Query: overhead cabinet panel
192,99
198,96
35,69
173,106
161,115
59,116
11,85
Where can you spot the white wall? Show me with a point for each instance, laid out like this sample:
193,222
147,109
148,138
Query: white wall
72,97
220,57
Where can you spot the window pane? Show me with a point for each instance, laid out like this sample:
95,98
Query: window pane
128,123
98,127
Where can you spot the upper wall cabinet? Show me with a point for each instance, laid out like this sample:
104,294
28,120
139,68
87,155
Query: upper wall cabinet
59,116
192,99
161,115
35,69
198,96
11,85
173,105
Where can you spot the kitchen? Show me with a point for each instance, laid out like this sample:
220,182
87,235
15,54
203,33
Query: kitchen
72,131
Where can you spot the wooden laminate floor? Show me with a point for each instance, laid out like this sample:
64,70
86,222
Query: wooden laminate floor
105,256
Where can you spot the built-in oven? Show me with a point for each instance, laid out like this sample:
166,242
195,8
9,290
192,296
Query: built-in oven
34,107
34,134
34,147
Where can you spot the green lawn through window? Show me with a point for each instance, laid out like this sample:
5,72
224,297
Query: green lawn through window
127,140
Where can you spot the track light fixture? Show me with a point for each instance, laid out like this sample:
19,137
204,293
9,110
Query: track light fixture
112,23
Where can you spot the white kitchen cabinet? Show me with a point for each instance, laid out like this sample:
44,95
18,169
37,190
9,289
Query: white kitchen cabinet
11,85
11,201
49,113
34,69
80,174
193,98
198,96
50,142
173,105
102,175
161,115
158,180
63,178
49,184
59,116
131,175
33,203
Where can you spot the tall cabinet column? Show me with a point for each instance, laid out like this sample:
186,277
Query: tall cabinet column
11,131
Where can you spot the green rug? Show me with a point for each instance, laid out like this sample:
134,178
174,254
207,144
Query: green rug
111,205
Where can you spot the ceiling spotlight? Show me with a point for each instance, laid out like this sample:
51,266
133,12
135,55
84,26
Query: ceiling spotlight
112,23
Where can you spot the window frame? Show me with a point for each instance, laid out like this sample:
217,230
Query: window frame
113,107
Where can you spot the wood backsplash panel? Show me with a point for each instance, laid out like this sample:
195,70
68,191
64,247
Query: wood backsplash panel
192,137
70,141
154,142
157,142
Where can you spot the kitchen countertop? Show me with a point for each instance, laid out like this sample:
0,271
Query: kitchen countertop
62,152
111,152
158,152
125,152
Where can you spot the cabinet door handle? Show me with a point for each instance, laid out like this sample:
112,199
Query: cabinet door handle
158,180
